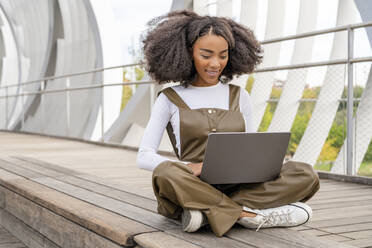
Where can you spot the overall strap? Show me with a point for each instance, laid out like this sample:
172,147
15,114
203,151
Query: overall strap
174,98
234,95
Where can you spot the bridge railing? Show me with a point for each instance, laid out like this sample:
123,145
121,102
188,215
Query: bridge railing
6,94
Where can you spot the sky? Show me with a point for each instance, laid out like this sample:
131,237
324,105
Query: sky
133,15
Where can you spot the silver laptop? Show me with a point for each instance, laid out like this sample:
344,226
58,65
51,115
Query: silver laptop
232,158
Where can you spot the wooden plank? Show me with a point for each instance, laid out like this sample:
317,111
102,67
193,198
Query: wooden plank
23,232
103,222
342,194
13,245
338,205
205,238
58,229
360,242
343,186
138,190
260,239
130,211
314,232
93,199
5,234
109,191
301,238
349,228
161,240
335,237
349,191
91,178
324,181
47,167
5,165
330,201
355,211
75,178
358,235
349,186
128,197
4,239
346,220
300,228
345,178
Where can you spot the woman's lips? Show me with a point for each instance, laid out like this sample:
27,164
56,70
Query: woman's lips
212,73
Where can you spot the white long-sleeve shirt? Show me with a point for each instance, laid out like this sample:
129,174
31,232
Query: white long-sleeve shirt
164,111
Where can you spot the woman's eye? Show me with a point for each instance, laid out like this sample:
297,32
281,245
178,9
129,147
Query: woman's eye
205,57
223,57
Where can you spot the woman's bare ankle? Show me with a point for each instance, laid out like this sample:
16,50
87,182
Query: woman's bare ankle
247,214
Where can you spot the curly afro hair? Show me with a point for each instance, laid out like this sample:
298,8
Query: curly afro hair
170,38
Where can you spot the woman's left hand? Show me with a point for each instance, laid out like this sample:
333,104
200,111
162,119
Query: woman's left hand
196,168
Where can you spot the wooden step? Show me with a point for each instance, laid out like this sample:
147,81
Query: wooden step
66,206
7,240
57,215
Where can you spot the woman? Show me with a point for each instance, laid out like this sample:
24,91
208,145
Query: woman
203,53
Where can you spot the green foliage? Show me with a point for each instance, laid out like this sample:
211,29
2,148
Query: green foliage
368,156
336,136
311,93
127,91
297,131
329,152
250,83
139,73
276,92
323,166
365,169
266,119
358,91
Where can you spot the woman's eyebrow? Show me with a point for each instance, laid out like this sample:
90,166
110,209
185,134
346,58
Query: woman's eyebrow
210,51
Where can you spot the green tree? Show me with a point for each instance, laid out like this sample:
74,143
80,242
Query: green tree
266,119
250,82
368,156
297,131
127,91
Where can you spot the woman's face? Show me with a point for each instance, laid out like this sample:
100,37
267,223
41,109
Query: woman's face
210,53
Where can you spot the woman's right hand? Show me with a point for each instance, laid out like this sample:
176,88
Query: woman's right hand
196,168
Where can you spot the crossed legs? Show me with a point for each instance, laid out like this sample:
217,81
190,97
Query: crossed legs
176,189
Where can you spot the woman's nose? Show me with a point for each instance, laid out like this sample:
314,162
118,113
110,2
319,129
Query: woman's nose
214,63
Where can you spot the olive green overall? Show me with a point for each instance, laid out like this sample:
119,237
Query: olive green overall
176,187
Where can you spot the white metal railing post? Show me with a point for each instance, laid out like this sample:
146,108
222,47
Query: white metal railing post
6,107
350,104
42,103
67,107
23,108
102,111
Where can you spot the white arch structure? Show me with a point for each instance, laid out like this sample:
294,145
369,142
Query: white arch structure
363,117
263,81
36,26
327,103
30,28
289,101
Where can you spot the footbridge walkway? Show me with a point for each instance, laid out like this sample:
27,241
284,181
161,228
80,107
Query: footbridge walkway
64,193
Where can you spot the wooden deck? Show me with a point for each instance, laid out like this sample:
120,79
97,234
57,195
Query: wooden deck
7,240
63,193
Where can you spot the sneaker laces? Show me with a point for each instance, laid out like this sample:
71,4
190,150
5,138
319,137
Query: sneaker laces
276,218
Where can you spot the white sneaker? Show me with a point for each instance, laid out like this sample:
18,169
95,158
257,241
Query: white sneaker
192,220
293,214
